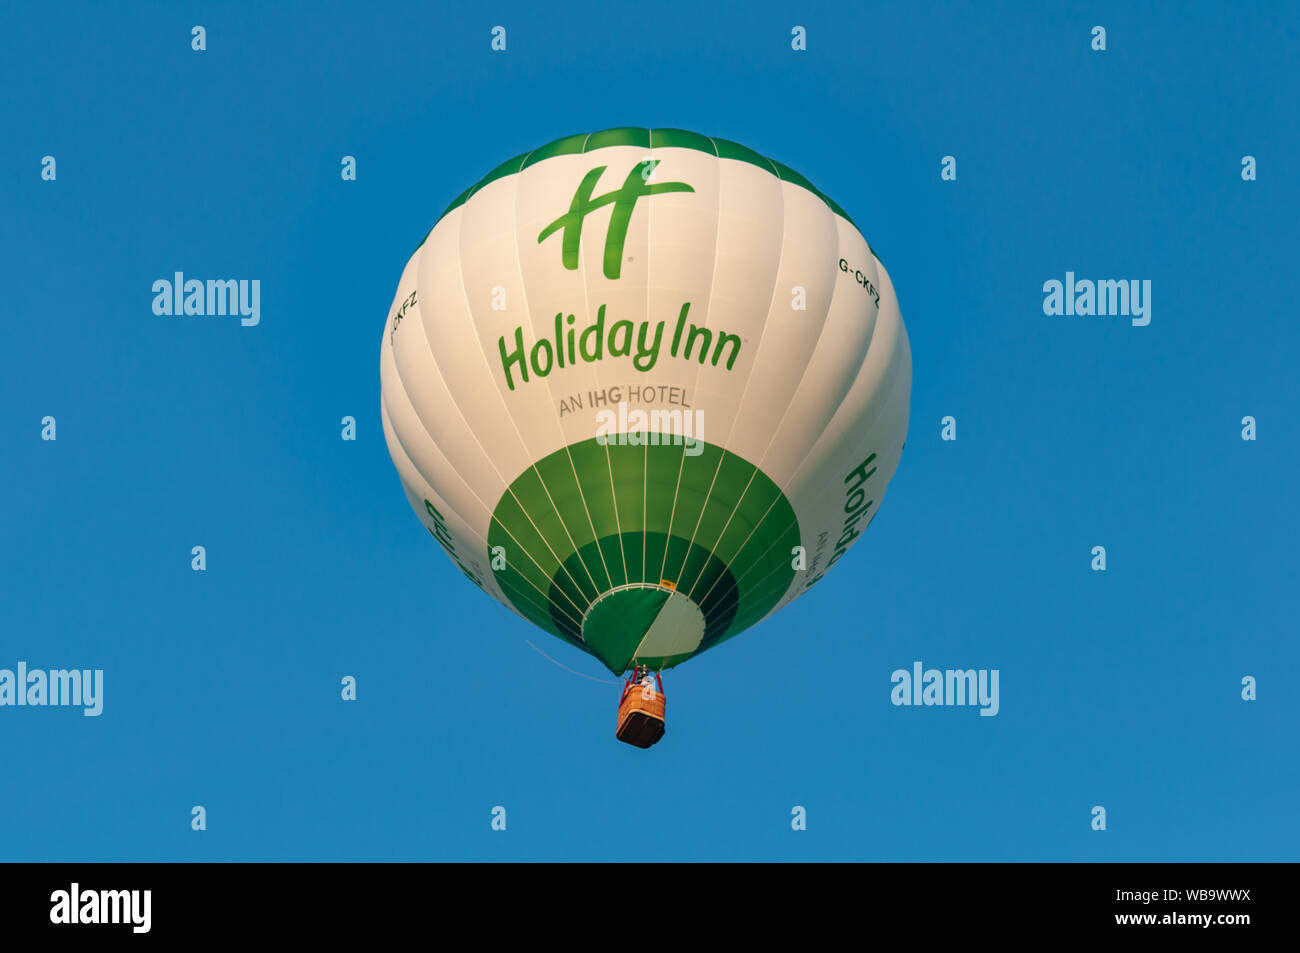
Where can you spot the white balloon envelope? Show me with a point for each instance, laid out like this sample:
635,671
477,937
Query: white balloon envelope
645,387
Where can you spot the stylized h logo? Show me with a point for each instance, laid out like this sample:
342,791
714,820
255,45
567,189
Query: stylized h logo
623,199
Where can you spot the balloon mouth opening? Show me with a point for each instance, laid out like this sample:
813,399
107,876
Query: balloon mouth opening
643,623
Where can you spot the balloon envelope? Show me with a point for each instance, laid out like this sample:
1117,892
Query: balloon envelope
644,387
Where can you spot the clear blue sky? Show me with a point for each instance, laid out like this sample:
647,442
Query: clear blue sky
1119,689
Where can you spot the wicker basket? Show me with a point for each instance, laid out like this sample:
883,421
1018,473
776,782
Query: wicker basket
641,715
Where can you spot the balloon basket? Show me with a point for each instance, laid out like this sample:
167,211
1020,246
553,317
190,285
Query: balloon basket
641,710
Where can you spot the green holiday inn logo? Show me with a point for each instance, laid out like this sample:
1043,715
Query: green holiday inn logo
624,201
643,343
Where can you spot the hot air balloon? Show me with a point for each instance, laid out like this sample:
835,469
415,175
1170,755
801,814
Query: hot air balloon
644,387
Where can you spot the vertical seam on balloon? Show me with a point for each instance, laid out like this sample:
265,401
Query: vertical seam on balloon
782,186
386,415
424,426
645,471
618,521
875,417
568,452
759,522
735,580
741,403
563,439
645,457
695,384
609,463
455,403
722,445
649,226
803,374
821,336
482,502
872,420
645,507
878,412
723,532
519,259
586,300
870,341
473,536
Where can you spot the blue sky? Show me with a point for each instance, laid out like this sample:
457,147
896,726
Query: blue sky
1119,689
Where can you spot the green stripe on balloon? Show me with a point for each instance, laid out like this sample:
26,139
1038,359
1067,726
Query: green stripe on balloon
591,518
